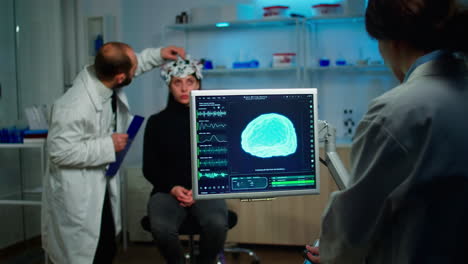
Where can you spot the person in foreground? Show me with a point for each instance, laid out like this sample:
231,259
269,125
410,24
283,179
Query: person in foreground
167,166
407,200
81,205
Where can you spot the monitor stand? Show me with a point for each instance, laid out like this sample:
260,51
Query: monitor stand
327,135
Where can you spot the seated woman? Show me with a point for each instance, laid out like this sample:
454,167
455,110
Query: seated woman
167,165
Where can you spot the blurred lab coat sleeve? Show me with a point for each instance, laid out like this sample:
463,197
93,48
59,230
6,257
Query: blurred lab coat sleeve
355,217
148,59
71,144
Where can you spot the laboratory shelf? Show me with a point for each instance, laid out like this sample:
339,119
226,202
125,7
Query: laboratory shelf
248,70
33,202
37,190
350,68
20,202
23,201
270,22
40,144
267,22
346,68
334,19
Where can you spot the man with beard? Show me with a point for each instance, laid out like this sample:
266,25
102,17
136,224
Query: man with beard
81,208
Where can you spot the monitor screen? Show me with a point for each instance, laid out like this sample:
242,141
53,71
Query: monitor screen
254,143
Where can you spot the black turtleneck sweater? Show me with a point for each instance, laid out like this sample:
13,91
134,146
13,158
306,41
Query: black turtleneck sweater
166,148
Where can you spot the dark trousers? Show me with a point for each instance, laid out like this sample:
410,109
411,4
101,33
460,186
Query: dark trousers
166,216
106,248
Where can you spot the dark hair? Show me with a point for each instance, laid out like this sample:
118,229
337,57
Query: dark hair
111,60
199,81
425,24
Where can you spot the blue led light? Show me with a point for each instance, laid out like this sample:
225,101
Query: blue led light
222,24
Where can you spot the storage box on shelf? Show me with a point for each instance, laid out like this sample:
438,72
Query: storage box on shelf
275,11
327,10
284,59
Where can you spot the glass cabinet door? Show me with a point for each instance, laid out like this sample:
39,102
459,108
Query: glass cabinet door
31,73
11,217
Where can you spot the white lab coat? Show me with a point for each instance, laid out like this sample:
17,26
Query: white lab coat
407,202
79,149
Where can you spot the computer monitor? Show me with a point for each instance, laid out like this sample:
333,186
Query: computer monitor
254,143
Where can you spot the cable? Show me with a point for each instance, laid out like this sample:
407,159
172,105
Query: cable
323,162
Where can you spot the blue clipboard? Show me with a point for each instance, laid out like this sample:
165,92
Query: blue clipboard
132,132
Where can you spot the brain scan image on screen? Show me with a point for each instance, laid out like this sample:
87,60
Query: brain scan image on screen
254,143
269,135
